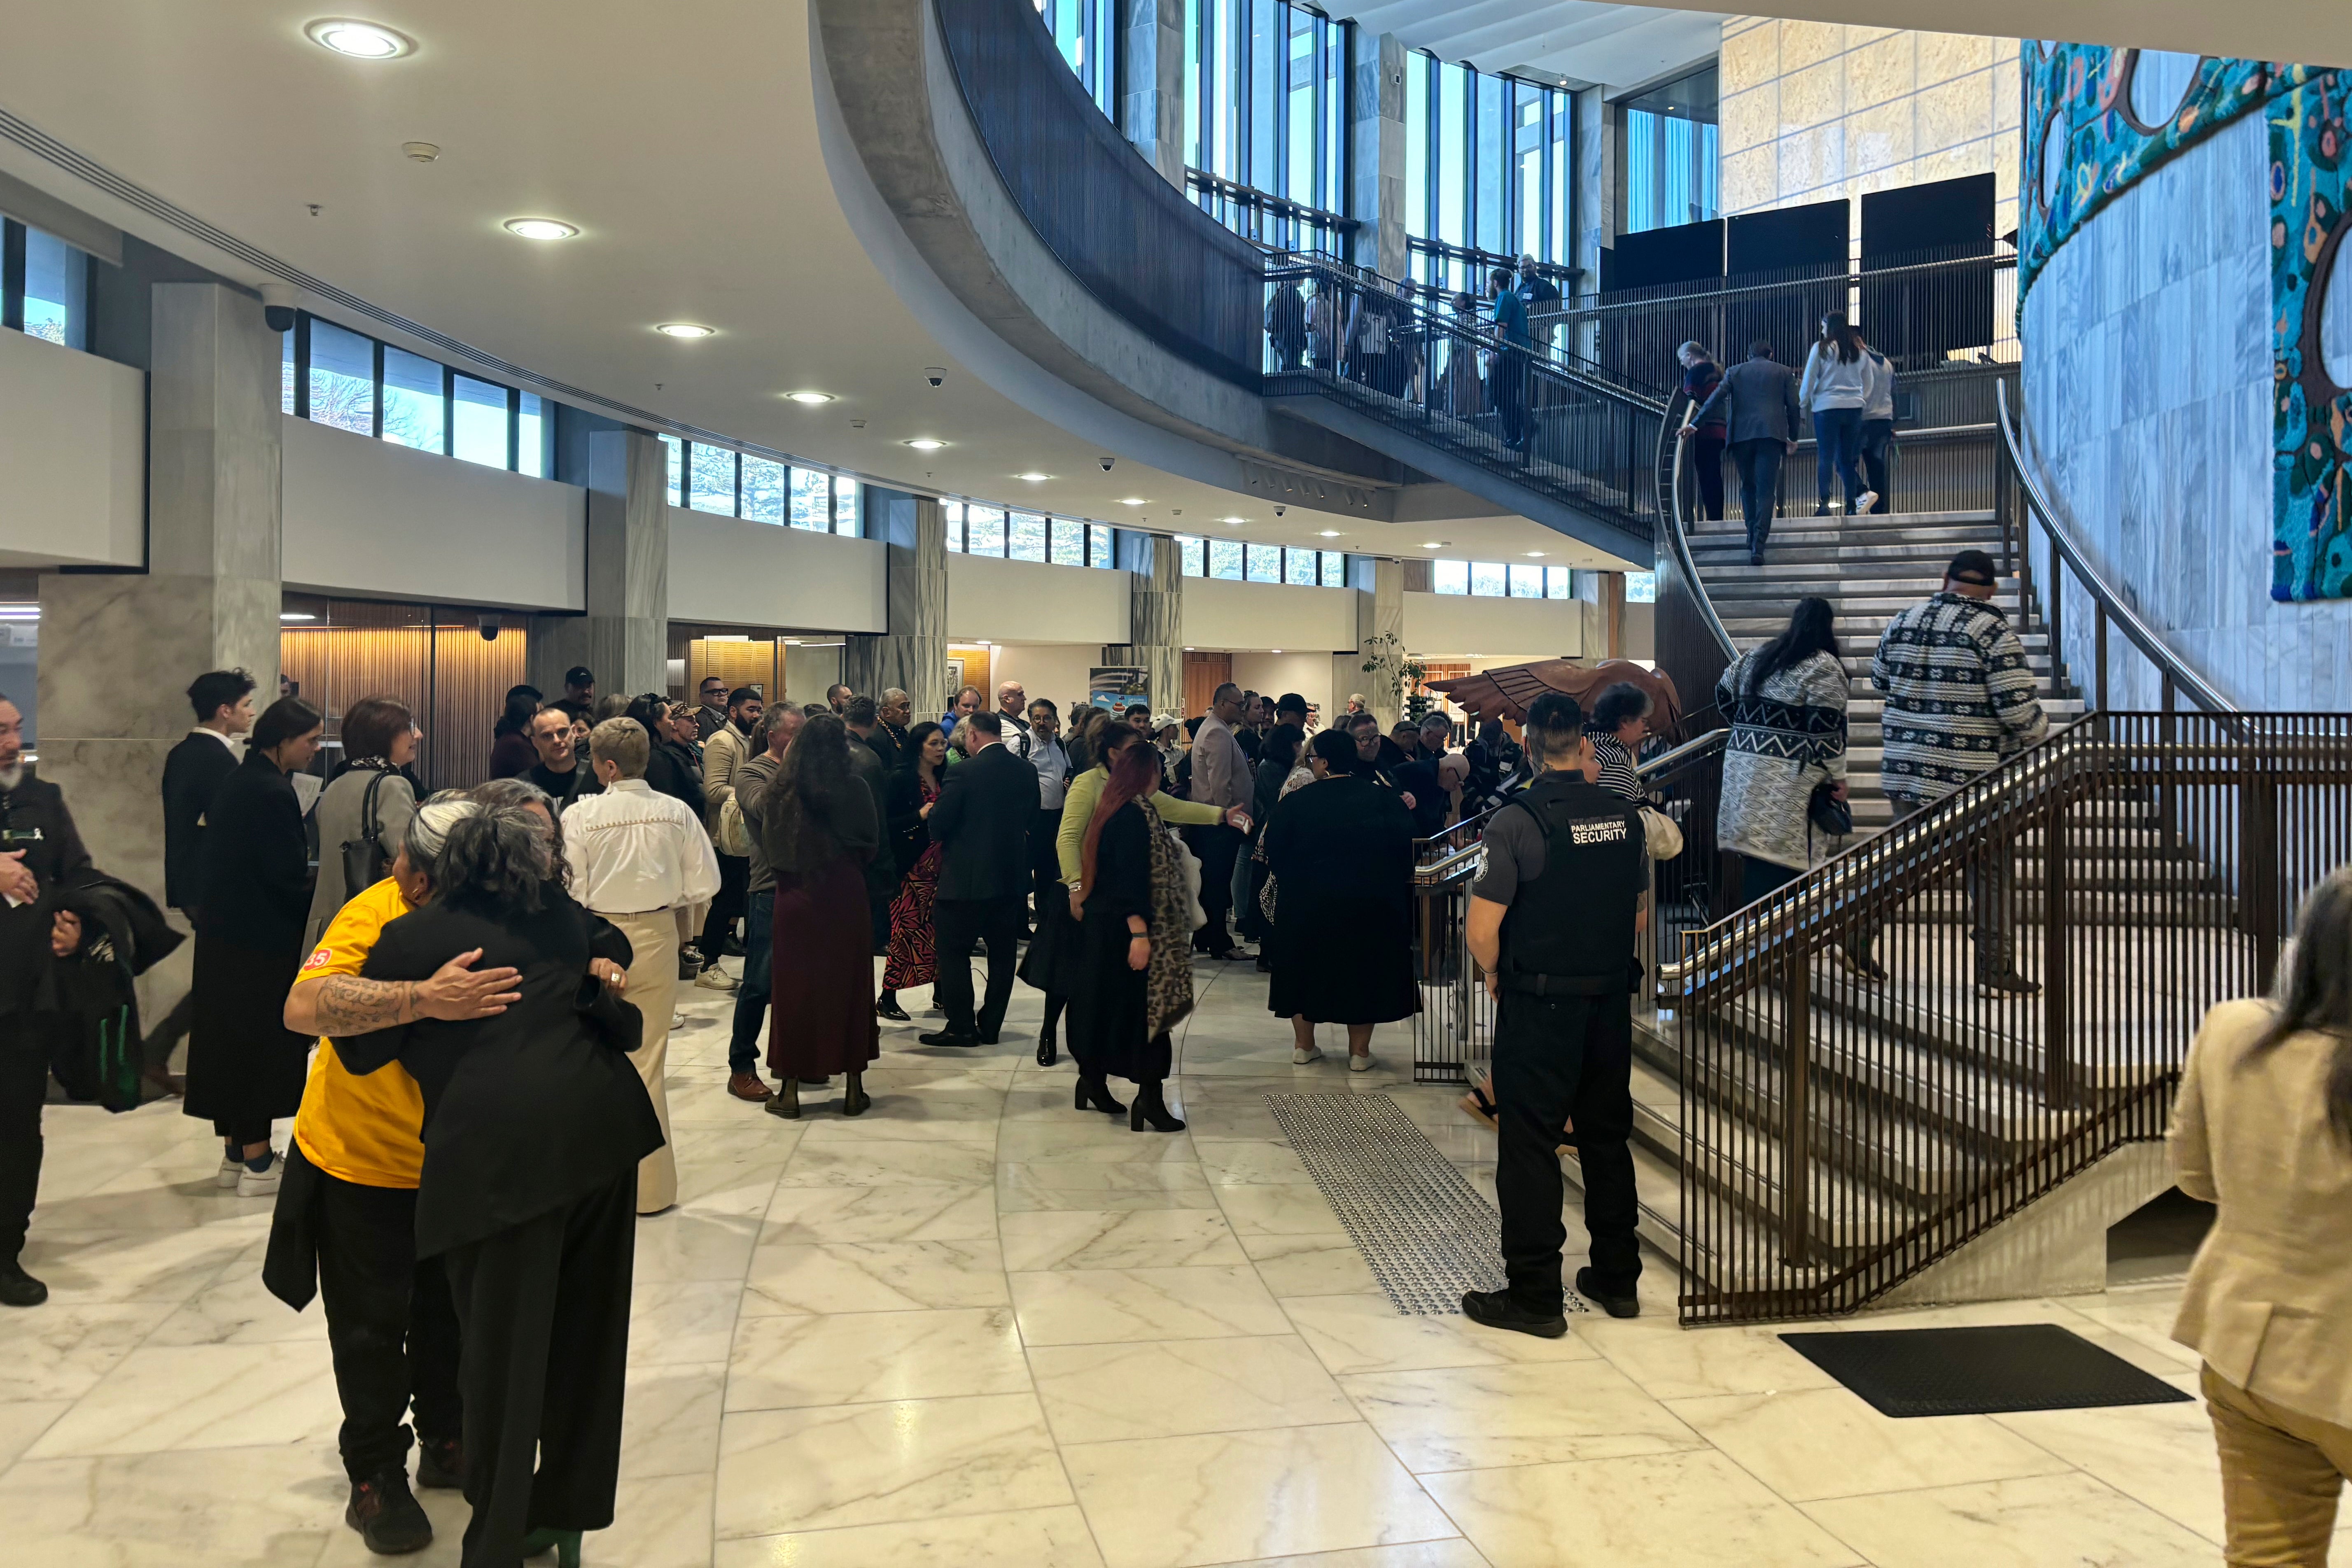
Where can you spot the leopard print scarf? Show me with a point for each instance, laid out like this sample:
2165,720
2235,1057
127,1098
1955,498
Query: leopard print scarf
1167,978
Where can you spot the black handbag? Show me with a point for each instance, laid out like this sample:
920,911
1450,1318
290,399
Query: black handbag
364,859
1829,814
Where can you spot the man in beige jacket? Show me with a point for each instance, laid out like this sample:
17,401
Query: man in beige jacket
723,755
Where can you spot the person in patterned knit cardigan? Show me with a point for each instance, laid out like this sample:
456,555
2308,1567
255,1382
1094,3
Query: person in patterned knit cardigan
1961,702
1785,703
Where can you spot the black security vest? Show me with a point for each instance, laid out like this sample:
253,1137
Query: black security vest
1570,931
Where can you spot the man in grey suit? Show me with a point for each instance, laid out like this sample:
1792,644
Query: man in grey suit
1760,399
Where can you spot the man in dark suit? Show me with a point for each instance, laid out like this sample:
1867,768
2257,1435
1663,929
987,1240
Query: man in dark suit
192,772
982,823
1760,397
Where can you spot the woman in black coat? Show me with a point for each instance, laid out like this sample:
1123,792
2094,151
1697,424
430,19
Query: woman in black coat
1135,970
1277,754
245,1067
534,1123
1341,852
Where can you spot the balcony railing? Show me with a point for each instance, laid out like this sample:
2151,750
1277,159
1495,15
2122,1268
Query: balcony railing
1274,224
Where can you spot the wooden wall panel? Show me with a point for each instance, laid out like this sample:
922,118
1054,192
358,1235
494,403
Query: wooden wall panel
1203,673
755,661
470,678
454,682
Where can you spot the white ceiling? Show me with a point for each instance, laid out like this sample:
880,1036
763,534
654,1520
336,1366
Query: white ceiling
1576,39
693,169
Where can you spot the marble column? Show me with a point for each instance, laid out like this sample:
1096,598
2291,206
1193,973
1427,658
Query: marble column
1376,151
913,653
1155,626
1379,611
118,649
1151,84
1597,198
625,636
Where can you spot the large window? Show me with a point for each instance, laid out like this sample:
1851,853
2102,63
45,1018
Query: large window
44,286
975,529
1265,107
1086,32
1667,137
721,479
332,376
1497,580
1488,162
1239,562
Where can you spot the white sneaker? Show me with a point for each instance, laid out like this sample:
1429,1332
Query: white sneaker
252,1184
230,1170
677,1021
1361,1064
715,979
1866,501
1301,1055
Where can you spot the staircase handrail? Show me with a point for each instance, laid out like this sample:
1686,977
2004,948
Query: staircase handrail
1677,545
2142,635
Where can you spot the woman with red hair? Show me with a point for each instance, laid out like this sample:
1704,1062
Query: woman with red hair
1135,975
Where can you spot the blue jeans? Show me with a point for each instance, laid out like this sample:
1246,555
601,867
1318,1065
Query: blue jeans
751,996
1837,438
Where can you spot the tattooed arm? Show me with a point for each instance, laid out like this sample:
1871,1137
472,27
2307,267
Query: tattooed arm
341,1004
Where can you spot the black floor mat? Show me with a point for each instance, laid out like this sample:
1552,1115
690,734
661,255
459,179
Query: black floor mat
1980,1372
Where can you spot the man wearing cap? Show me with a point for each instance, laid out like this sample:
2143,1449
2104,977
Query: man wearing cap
1961,702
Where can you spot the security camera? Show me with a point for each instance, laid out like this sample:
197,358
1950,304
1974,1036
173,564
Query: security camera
1280,510
278,306
1107,462
488,625
934,375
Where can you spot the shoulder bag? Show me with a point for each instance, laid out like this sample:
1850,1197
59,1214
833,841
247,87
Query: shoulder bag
364,859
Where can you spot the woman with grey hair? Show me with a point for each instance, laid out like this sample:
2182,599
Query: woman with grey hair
528,1193
1701,376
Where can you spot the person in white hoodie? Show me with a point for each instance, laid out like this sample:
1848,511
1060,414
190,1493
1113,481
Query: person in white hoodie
1834,389
1877,430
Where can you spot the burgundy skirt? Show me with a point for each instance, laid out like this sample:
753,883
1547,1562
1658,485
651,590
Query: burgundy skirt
822,1020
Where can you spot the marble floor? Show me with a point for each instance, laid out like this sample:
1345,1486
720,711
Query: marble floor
975,1328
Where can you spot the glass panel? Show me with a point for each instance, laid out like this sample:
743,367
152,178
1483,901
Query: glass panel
848,507
286,371
1563,119
811,506
1416,143
481,436
1453,112
1098,542
983,530
1335,569
1225,559
1527,582
676,467
1641,587
1486,579
714,479
1265,562
1065,541
57,290
1492,162
1298,568
1265,81
1670,154
952,511
1026,533
1528,158
1192,556
1450,576
1299,79
762,483
342,378
412,408
1560,583
531,437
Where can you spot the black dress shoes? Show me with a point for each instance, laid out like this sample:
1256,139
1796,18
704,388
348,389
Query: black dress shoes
1495,1310
1588,1286
18,1289
943,1038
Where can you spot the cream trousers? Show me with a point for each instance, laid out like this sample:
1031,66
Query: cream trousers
652,991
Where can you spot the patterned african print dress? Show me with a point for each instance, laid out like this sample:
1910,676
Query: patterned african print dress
914,957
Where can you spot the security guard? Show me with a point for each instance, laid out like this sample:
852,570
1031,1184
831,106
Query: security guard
1553,922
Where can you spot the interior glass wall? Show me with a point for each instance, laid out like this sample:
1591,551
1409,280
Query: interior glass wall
333,652
44,286
1489,167
1667,139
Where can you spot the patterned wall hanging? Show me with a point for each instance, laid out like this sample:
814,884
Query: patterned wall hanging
2312,555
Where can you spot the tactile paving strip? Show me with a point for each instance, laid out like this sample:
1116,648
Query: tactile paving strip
1426,1234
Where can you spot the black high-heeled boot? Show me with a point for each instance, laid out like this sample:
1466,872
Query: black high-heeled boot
855,1100
1095,1095
1149,1107
1047,1051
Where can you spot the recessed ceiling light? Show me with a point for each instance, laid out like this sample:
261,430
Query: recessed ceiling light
1034,479
1433,544
685,330
1533,554
1274,650
295,615
1328,533
1130,501
541,229
925,444
360,40
1232,520
810,398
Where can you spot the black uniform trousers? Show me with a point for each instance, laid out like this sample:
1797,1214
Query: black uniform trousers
543,1308
1217,846
24,1087
390,1324
726,907
1559,1058
1045,863
958,923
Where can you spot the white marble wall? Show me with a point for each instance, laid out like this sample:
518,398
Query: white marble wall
625,635
2147,369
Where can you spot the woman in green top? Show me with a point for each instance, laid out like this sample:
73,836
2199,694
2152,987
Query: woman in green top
1049,964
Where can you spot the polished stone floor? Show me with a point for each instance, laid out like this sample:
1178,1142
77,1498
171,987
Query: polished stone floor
975,1328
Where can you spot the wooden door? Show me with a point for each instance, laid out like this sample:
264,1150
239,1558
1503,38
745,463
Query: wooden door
1203,673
